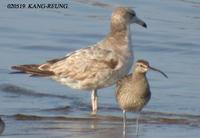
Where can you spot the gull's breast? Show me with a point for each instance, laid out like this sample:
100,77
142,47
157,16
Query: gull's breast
125,66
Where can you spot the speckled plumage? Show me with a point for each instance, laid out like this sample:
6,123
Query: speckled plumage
133,91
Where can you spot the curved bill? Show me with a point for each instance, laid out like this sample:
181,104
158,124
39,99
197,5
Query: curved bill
158,71
139,21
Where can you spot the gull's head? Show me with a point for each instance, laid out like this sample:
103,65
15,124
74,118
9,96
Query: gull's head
142,66
127,16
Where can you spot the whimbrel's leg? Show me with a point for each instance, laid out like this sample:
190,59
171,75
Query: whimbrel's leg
94,101
124,124
137,124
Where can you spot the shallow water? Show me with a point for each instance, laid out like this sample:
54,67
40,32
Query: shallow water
39,107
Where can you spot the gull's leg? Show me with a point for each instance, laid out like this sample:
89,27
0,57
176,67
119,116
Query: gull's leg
94,102
124,124
137,124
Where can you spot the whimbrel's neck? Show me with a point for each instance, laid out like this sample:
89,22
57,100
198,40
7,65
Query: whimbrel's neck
139,76
141,85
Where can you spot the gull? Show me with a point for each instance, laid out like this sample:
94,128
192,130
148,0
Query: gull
97,66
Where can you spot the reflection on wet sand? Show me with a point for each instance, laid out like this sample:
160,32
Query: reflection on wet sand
89,126
62,127
147,118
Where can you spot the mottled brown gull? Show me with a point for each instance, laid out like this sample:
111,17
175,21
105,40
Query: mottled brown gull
97,66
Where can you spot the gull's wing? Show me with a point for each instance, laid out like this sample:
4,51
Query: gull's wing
84,64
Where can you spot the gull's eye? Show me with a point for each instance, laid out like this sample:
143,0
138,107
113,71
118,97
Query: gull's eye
133,14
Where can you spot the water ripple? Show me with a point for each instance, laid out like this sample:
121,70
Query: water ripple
147,117
13,89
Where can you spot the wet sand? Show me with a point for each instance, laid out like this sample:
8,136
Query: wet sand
21,125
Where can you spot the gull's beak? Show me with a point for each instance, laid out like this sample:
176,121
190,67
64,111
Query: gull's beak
158,71
139,21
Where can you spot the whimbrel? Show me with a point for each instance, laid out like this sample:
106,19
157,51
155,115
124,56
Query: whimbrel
133,91
97,66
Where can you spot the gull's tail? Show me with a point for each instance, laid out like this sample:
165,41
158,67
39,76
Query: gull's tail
32,69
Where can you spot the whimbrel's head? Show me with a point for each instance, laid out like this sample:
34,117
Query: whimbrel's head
142,66
126,16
